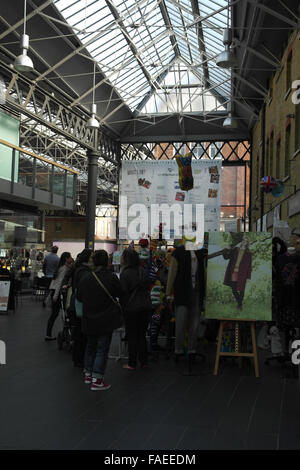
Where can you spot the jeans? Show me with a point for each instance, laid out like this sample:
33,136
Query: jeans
187,315
96,354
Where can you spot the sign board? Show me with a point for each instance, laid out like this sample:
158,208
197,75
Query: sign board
294,205
282,230
4,295
152,183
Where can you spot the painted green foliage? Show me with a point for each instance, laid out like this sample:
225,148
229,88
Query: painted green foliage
221,302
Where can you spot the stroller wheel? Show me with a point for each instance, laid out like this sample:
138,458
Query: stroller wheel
60,341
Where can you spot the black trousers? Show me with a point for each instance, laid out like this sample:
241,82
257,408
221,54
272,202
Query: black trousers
55,308
136,328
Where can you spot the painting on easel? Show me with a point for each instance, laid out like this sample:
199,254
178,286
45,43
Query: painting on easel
239,276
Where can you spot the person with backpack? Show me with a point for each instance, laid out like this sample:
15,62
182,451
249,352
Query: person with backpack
81,268
137,308
101,315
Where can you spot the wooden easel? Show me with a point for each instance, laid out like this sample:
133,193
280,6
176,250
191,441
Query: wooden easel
236,353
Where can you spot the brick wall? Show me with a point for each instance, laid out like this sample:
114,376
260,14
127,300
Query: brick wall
279,104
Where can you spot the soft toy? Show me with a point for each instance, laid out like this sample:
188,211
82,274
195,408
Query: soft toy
156,293
276,346
186,180
144,251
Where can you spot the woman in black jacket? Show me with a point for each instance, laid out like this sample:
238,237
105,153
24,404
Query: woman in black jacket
137,307
81,268
100,317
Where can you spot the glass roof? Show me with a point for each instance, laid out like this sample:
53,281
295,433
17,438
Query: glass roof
154,51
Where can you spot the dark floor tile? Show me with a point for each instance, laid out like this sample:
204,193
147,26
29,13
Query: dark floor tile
236,416
230,440
70,436
166,437
196,438
259,441
45,405
289,441
266,413
135,436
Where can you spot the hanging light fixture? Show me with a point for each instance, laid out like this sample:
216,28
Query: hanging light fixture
230,122
227,58
92,122
23,63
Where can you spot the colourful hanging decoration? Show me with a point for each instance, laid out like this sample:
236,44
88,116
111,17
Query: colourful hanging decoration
186,180
267,183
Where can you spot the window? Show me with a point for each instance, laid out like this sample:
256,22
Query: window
214,151
289,72
278,152
199,151
287,151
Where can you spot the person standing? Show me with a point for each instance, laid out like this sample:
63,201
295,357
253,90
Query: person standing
64,265
187,277
98,292
49,269
81,268
137,308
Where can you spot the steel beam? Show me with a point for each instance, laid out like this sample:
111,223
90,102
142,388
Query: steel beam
28,98
274,13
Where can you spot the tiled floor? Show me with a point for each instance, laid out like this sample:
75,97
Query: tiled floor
44,403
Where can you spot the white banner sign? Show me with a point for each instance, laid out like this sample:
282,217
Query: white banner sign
4,294
153,183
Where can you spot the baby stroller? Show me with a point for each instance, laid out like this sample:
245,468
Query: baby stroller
65,336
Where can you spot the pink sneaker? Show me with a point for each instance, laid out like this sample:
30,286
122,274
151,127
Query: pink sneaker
87,378
98,384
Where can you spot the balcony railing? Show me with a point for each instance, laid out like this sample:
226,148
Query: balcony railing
39,173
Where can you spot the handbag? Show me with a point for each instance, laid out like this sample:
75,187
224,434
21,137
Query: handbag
115,314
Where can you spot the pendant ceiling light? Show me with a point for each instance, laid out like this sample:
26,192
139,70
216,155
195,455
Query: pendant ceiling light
92,122
227,58
23,63
231,122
